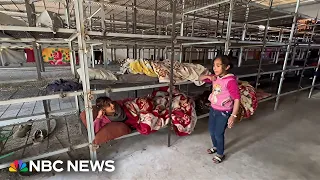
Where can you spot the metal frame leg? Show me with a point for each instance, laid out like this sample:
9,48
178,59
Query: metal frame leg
85,82
314,77
287,55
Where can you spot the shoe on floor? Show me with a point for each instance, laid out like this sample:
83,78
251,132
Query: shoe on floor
22,131
39,135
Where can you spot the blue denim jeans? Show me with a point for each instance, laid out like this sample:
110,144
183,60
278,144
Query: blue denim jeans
218,121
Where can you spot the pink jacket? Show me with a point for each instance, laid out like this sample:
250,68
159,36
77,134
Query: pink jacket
224,91
100,123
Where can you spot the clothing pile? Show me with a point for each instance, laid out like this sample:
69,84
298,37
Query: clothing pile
248,103
151,113
182,71
63,85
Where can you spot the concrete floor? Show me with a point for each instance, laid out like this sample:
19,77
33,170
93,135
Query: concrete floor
272,145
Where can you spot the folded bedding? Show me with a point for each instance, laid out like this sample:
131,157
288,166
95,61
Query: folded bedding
182,72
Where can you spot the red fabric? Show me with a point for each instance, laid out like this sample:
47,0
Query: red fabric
149,114
30,55
100,123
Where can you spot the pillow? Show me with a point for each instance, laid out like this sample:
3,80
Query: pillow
109,132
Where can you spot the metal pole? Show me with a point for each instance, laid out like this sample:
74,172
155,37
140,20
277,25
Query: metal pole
127,27
72,59
264,44
217,26
155,26
192,34
85,80
278,51
173,37
36,56
287,54
243,35
293,54
68,13
227,44
315,76
92,56
41,58
134,7
307,56
181,31
103,17
105,54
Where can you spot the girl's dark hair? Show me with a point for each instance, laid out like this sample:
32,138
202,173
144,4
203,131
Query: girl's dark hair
225,60
102,102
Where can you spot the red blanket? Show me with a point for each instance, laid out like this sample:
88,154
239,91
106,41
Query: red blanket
149,114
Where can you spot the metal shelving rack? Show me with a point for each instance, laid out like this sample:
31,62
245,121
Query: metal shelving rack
92,24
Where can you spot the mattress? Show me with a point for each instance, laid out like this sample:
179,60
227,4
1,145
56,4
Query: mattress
126,79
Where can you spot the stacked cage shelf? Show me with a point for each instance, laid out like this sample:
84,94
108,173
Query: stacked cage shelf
166,27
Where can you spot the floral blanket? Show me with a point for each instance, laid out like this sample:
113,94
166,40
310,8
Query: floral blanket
249,101
56,56
149,114
182,72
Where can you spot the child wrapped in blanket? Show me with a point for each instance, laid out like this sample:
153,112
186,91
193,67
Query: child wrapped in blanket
109,111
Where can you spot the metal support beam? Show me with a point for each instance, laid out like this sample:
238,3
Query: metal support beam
206,7
227,43
264,44
41,58
103,17
68,13
287,54
105,54
315,76
72,60
31,13
85,81
274,18
95,13
134,8
173,37
243,35
155,26
92,56
307,57
278,50
181,31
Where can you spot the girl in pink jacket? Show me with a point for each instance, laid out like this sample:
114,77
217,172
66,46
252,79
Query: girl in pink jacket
225,102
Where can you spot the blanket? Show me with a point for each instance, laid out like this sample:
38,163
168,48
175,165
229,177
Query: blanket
151,113
249,99
182,72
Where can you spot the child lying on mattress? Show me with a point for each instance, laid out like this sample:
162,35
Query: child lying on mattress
109,111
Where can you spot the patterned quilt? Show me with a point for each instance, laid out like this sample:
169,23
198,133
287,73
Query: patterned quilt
149,114
182,72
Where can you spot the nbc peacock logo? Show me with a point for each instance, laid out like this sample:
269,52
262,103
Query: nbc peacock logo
18,166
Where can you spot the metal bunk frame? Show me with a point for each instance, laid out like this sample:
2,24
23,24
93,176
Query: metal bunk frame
187,11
